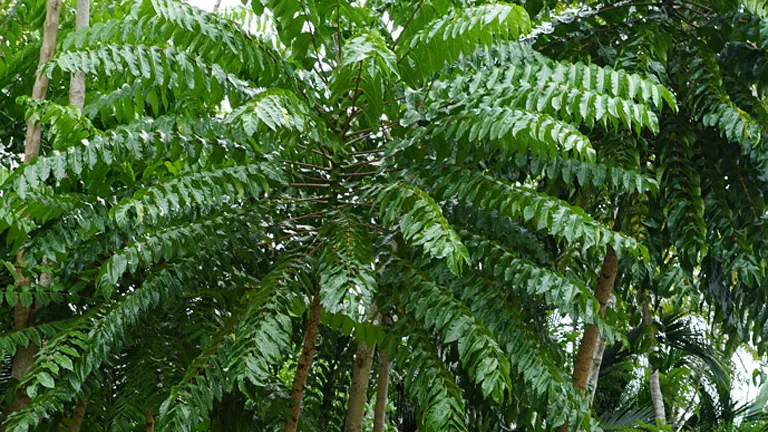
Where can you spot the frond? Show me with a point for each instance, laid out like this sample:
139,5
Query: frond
347,278
598,175
22,338
576,93
202,190
185,75
566,295
551,215
184,240
437,309
513,130
169,22
548,388
422,223
711,104
367,65
244,349
430,385
63,365
66,125
274,110
159,138
680,176
445,39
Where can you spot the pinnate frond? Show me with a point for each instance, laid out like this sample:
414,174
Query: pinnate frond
422,223
459,32
437,309
347,279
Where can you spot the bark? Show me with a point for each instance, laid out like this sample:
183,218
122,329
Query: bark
358,389
40,89
149,420
77,81
78,415
588,344
382,387
305,361
597,359
77,99
657,398
23,316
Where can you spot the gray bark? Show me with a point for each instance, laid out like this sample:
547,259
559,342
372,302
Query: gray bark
358,392
657,398
597,358
77,81
382,388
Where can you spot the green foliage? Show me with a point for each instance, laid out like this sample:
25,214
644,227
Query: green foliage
422,223
431,385
347,279
436,308
223,173
545,213
445,39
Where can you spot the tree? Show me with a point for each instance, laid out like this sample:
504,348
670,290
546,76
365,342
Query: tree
709,161
404,159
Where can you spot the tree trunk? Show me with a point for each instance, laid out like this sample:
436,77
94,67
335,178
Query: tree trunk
23,316
657,398
149,421
40,89
77,99
358,389
305,361
78,415
77,81
597,359
217,5
382,387
586,351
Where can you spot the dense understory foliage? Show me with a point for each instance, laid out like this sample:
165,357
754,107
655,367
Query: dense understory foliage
441,176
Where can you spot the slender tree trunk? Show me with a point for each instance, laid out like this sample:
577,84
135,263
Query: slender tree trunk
586,351
305,361
23,316
597,359
77,99
217,5
657,398
40,89
382,387
149,420
358,389
77,81
78,415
